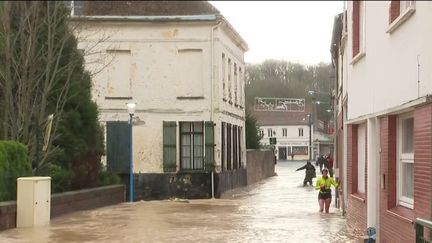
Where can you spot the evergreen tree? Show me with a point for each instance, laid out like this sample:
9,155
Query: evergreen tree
45,94
252,136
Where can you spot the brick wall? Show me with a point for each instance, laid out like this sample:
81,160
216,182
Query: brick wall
260,165
356,205
62,203
356,28
396,222
423,161
393,226
394,10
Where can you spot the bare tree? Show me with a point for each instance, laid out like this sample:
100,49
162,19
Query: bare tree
36,74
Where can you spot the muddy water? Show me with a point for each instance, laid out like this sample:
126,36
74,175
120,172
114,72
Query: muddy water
278,209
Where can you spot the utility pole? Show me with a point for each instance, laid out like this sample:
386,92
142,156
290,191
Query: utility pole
310,137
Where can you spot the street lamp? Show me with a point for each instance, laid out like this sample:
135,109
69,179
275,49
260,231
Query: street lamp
131,110
310,135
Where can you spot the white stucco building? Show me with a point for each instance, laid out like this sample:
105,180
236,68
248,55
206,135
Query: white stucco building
382,53
182,63
287,121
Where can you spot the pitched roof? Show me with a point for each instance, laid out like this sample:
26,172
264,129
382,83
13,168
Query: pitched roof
148,8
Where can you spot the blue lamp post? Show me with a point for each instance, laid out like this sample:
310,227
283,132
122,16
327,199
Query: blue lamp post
131,110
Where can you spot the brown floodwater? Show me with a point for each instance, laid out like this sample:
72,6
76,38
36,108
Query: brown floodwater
277,209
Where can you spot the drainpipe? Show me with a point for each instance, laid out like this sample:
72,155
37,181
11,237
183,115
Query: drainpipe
212,78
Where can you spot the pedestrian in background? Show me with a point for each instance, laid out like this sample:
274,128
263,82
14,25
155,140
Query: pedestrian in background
330,164
323,184
322,162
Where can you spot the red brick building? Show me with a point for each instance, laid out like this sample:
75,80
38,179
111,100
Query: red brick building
383,109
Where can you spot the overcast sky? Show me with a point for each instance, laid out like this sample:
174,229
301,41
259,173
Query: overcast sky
291,31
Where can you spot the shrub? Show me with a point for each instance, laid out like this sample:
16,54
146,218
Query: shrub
108,178
14,163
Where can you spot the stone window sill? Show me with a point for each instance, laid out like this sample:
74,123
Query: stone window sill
358,57
359,197
401,19
402,213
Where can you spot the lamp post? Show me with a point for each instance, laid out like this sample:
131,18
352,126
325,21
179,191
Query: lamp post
310,137
131,110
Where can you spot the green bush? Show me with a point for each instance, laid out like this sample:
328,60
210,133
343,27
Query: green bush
108,178
60,178
14,163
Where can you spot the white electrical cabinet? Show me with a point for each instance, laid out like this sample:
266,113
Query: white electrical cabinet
33,201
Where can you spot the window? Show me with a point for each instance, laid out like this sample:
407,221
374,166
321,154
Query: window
405,167
223,76
229,80
269,132
235,84
300,131
119,73
358,29
361,158
223,146
190,68
399,11
241,87
261,132
284,132
191,145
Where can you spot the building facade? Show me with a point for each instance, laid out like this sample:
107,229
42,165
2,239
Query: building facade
182,63
284,124
384,121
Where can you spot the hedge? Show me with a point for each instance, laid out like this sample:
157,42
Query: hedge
14,163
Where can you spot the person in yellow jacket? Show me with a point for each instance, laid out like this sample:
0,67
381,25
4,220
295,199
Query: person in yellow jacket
323,184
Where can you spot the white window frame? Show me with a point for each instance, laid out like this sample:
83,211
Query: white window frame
284,132
269,132
362,32
300,131
404,14
403,158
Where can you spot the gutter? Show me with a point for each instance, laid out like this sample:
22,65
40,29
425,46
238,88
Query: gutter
212,78
176,18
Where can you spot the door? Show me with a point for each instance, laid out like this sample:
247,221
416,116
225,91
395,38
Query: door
282,153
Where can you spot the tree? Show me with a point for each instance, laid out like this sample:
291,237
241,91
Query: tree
252,136
45,93
275,78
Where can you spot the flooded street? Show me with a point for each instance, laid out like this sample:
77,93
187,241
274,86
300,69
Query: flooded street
278,209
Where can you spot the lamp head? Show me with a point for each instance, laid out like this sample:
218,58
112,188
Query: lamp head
131,108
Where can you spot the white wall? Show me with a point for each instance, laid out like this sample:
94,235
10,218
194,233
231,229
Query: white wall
387,75
168,62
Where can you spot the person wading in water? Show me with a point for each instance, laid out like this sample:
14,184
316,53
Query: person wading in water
323,184
310,173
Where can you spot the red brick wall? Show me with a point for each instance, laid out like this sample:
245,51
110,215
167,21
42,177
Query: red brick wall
395,221
422,161
392,228
356,210
356,28
394,10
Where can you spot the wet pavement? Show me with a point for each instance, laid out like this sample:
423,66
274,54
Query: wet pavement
278,209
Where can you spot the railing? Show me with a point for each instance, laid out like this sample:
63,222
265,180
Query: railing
420,224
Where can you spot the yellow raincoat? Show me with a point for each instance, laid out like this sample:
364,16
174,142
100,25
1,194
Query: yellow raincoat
325,181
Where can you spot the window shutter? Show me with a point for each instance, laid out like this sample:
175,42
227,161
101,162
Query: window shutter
209,146
169,146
